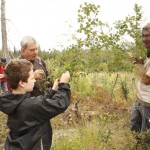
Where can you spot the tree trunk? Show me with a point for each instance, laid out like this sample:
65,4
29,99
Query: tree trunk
3,29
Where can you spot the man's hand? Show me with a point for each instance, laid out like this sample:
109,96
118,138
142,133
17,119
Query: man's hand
135,60
38,74
130,54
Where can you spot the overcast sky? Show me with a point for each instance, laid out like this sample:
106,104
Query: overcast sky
49,20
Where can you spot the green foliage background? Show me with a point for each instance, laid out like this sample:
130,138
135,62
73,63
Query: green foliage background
97,46
103,48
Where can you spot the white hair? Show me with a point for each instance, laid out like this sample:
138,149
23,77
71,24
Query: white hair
147,26
27,40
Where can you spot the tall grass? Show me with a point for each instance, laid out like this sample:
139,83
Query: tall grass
3,127
119,86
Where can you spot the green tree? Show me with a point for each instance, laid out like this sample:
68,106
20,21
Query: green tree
105,44
131,27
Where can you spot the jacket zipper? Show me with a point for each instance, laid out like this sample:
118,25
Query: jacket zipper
41,144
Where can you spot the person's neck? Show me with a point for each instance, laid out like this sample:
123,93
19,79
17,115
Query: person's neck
18,91
24,57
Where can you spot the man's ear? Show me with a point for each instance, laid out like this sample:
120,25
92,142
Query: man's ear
21,83
22,50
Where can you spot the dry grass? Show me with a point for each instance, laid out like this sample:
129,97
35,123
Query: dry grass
109,122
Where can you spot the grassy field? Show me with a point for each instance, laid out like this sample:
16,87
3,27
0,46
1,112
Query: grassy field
94,125
98,117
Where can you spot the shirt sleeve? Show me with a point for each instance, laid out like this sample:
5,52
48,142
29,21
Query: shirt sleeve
45,108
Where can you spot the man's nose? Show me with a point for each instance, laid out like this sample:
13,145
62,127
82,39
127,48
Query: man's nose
35,52
144,38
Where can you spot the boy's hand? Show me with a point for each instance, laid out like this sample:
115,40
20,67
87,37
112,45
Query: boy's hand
65,77
55,85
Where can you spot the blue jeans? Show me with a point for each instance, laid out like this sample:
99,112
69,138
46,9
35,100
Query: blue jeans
4,86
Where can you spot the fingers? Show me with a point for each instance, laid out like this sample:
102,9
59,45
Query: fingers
65,77
38,74
130,54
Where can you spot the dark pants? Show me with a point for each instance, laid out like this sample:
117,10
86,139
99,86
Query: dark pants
47,138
